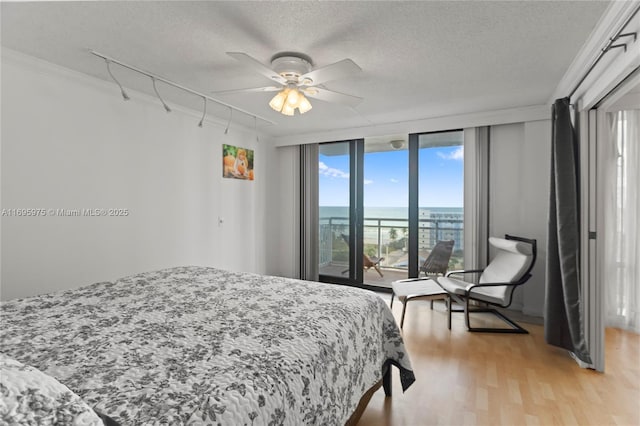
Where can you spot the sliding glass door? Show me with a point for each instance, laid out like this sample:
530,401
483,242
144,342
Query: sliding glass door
339,201
385,202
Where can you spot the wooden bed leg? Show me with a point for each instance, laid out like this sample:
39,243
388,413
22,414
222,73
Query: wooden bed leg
386,382
362,405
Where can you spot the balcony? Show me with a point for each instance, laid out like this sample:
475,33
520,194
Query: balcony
387,237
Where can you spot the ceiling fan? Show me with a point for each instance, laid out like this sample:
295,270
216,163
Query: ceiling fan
295,76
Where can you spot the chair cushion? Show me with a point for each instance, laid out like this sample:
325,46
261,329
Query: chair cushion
511,261
513,246
417,288
487,294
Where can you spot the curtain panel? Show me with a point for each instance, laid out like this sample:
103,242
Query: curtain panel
563,319
308,251
622,216
476,197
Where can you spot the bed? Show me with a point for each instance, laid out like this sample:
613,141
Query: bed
196,345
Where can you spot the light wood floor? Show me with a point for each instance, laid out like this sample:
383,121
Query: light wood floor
467,378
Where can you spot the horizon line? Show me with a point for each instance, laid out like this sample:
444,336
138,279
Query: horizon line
402,207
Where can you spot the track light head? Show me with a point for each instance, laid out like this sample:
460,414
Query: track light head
124,94
155,89
204,112
226,129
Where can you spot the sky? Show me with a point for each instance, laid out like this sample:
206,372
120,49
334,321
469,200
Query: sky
386,178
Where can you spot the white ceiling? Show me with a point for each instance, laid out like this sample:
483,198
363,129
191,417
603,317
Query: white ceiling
419,59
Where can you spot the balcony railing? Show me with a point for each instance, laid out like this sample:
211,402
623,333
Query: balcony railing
387,237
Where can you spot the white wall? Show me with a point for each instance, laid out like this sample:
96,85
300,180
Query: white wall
519,197
283,199
69,141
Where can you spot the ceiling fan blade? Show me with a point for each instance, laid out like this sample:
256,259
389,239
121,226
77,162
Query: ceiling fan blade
331,96
341,69
258,66
250,90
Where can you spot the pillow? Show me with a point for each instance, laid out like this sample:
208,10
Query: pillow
30,397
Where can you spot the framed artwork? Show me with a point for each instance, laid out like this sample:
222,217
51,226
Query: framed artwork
237,163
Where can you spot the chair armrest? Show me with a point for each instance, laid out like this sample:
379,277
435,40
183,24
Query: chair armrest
410,280
463,271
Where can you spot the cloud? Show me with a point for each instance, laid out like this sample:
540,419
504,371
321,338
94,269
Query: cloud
394,180
325,170
458,154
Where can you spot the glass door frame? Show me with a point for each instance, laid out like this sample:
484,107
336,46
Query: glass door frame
414,210
356,212
356,222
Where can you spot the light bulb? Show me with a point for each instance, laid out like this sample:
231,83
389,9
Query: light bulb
288,109
304,105
293,97
278,100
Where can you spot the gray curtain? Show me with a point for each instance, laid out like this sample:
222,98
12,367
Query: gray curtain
563,325
476,198
308,212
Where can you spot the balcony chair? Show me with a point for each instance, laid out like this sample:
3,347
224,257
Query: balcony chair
367,262
425,288
511,267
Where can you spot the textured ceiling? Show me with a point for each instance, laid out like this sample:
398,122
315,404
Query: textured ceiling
419,59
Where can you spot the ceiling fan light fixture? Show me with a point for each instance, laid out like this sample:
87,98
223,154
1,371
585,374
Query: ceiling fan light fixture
297,78
288,99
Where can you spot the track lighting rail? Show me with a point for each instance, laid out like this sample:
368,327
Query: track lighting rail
155,77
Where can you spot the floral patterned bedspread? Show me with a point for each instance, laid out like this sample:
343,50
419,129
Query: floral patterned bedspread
195,345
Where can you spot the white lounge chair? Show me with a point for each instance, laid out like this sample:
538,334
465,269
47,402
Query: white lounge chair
510,268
